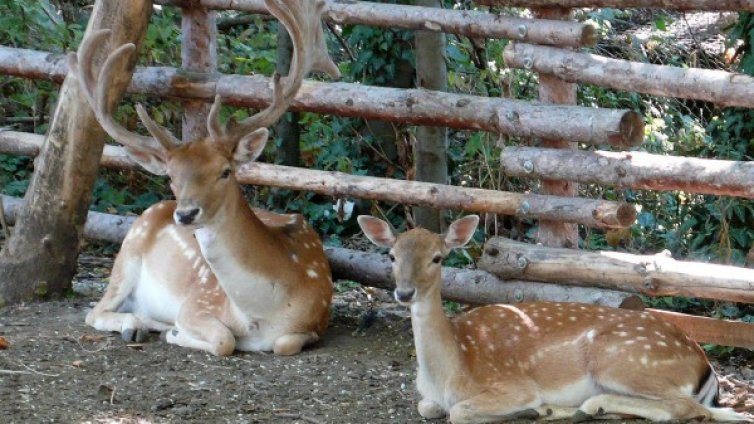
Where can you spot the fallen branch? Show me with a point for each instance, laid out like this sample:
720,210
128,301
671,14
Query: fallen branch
622,128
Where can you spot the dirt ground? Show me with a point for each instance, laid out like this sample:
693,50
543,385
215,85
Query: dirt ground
57,369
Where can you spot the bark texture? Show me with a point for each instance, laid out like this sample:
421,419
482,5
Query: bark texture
40,257
597,213
467,23
617,127
637,170
198,55
653,275
719,87
431,148
554,90
713,5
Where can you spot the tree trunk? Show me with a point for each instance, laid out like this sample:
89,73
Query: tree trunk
198,55
617,127
653,275
431,149
469,23
553,90
287,129
590,212
40,257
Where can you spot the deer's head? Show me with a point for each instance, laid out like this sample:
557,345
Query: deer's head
417,254
202,171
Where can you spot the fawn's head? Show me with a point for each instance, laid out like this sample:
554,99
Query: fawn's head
202,171
417,254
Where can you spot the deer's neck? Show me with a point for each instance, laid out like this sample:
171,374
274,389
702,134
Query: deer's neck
242,252
437,350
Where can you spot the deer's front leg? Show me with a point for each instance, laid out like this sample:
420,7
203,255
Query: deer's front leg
430,410
491,407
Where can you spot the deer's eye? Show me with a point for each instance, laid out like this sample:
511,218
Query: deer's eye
225,174
437,259
392,257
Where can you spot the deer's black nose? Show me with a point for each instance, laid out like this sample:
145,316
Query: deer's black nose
404,295
187,216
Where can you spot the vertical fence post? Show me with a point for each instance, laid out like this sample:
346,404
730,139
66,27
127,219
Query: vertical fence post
198,54
554,90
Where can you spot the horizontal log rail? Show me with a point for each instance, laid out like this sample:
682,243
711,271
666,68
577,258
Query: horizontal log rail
621,128
637,170
596,213
653,275
719,87
372,269
468,23
711,5
461,285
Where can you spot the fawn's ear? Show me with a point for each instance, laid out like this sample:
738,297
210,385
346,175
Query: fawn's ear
461,231
376,230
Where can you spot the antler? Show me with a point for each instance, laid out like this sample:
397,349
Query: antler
303,20
99,93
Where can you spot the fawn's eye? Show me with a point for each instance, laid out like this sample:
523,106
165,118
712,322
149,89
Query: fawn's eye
391,256
437,259
225,174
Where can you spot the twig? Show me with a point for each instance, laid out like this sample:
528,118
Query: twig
295,416
30,371
342,42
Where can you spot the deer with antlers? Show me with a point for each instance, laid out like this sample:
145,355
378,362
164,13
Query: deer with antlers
207,269
540,360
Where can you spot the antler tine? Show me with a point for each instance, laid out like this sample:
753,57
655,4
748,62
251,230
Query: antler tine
303,20
99,95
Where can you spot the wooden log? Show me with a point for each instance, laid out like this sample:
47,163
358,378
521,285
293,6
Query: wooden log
589,212
552,89
653,275
373,269
719,87
620,128
468,23
710,330
198,54
711,5
464,285
637,170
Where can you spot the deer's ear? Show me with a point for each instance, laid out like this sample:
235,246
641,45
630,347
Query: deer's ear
461,231
250,146
376,230
148,160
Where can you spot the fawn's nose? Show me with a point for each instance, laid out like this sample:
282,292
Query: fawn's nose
404,295
186,216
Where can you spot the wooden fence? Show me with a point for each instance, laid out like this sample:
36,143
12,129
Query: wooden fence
544,45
